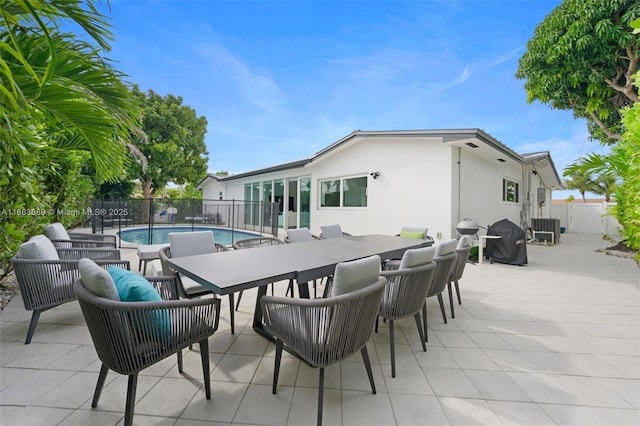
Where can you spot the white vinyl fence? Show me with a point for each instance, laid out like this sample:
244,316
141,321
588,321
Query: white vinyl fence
586,218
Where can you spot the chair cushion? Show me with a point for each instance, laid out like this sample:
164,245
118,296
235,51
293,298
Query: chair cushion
191,243
418,235
354,275
38,247
446,247
135,288
56,231
417,257
97,280
331,231
299,235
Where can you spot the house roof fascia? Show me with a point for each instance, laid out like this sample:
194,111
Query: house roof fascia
276,168
534,156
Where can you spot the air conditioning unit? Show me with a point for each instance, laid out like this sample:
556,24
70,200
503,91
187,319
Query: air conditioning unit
546,225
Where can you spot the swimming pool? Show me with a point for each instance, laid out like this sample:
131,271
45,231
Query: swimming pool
160,235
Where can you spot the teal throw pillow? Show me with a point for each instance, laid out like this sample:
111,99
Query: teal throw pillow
135,288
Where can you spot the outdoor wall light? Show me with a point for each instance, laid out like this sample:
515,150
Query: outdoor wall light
374,175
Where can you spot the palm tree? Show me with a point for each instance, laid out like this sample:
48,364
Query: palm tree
63,84
580,180
605,185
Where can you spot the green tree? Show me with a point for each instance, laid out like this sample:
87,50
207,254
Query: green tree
605,185
58,93
582,58
174,144
580,180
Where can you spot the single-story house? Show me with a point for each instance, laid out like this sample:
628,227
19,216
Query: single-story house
379,181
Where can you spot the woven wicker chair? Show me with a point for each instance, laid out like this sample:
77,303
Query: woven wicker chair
299,235
127,336
462,256
405,293
445,258
47,282
199,242
62,238
259,242
324,331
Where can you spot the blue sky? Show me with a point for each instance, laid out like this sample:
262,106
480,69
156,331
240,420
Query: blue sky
280,80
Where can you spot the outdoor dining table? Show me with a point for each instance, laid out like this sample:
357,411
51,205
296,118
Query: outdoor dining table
232,271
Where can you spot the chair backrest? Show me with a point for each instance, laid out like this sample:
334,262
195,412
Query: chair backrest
331,231
462,255
298,235
191,243
417,232
406,290
445,257
164,254
326,330
354,275
256,242
55,231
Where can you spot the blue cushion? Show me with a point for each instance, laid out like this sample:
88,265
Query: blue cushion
135,288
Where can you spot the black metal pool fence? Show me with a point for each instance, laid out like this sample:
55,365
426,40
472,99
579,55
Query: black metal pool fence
256,216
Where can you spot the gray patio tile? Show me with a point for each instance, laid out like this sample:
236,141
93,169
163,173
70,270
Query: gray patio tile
435,357
450,382
404,354
9,376
353,376
304,407
453,339
223,405
570,390
33,355
472,358
462,411
627,389
364,408
417,410
408,380
591,416
192,364
593,366
236,368
249,344
81,358
308,376
188,422
628,364
287,376
63,333
33,416
114,393
169,397
94,418
33,386
260,406
520,413
496,385
71,393
487,340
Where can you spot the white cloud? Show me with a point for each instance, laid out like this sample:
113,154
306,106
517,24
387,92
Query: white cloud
255,86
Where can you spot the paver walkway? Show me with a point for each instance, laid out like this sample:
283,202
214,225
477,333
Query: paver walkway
555,342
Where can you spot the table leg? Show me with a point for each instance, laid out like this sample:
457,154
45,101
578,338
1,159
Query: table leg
480,251
303,290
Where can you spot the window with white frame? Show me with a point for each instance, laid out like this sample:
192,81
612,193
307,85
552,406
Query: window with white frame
510,190
344,192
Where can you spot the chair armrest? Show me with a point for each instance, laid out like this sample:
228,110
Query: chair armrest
95,237
220,247
167,286
73,243
78,253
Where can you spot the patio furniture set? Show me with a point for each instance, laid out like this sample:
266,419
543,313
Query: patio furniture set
136,321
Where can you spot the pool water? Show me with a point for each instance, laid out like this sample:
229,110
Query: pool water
160,235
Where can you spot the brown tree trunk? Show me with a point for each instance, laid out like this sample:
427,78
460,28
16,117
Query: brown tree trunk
146,202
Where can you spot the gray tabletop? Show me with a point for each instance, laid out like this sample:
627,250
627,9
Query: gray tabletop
232,271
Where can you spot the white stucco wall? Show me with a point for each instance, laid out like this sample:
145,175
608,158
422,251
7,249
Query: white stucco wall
481,190
413,188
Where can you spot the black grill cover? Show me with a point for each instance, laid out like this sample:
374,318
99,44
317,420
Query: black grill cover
511,248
